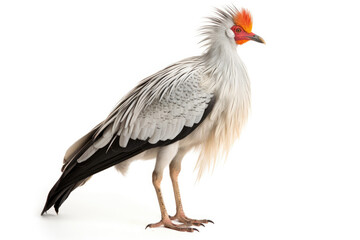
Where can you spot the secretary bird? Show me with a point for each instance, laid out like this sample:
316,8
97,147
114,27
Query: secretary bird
201,101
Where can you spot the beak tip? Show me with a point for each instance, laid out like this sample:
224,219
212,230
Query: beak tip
258,39
262,40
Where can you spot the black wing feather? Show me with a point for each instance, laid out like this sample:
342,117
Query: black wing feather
108,156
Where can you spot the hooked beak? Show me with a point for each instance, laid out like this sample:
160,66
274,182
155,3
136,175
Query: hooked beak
256,38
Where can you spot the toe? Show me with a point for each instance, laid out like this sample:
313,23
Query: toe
167,223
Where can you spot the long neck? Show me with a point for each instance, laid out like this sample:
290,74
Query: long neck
228,80
225,68
220,55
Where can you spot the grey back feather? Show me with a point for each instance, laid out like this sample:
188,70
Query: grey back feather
158,108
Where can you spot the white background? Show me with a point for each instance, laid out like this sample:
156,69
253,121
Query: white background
294,174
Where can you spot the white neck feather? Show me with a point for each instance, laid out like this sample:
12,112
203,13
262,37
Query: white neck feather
228,80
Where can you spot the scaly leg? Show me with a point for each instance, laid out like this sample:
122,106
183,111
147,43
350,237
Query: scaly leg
175,168
162,160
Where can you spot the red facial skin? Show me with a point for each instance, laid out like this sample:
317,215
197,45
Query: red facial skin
241,36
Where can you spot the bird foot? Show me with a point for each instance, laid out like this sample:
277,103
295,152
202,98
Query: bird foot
189,221
167,223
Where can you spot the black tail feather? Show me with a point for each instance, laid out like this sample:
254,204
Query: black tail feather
63,197
56,197
76,173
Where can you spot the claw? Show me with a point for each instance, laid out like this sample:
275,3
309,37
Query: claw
168,224
189,221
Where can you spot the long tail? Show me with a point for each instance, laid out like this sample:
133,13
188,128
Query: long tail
57,196
75,174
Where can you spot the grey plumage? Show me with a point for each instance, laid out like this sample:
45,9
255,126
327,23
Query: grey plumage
158,108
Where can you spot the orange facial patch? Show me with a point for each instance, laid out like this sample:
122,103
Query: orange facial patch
242,41
244,20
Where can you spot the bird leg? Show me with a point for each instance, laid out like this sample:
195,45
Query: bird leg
180,216
164,157
165,220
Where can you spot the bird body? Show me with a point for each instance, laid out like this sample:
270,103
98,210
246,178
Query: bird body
202,102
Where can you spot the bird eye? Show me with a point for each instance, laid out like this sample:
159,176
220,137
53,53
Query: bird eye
238,30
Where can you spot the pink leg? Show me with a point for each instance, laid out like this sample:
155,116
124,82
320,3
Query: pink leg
165,220
175,168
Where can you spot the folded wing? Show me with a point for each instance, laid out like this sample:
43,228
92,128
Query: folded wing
162,109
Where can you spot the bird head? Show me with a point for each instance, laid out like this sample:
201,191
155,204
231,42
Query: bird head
241,30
